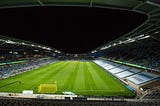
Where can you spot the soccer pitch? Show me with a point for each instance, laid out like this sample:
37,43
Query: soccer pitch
82,78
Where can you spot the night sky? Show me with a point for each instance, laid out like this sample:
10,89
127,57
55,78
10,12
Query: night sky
68,29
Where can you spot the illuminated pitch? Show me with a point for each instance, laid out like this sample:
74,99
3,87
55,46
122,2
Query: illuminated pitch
80,77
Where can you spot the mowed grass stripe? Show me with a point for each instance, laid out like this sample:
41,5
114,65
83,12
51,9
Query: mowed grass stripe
62,76
46,77
91,77
99,80
29,80
50,76
101,77
110,80
115,87
86,79
40,77
70,81
67,77
40,72
73,76
29,73
83,78
107,87
79,86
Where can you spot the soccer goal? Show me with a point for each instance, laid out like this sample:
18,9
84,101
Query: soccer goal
47,88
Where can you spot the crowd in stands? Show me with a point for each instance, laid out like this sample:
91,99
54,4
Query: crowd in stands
8,70
145,53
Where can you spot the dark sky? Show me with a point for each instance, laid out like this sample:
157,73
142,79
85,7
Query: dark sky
68,29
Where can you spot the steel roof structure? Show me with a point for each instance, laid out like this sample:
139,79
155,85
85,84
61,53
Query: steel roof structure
150,28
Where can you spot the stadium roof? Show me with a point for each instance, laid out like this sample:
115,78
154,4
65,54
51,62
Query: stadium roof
149,28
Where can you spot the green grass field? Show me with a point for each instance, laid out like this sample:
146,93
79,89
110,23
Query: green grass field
82,78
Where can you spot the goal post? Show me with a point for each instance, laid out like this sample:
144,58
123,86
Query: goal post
47,88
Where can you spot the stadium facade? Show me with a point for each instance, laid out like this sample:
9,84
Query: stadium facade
133,58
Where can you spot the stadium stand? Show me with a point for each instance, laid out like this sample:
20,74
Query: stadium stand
77,102
118,69
134,75
144,53
127,73
153,93
139,47
142,77
106,65
17,56
14,69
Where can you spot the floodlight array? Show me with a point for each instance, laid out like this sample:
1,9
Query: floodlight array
126,41
24,43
